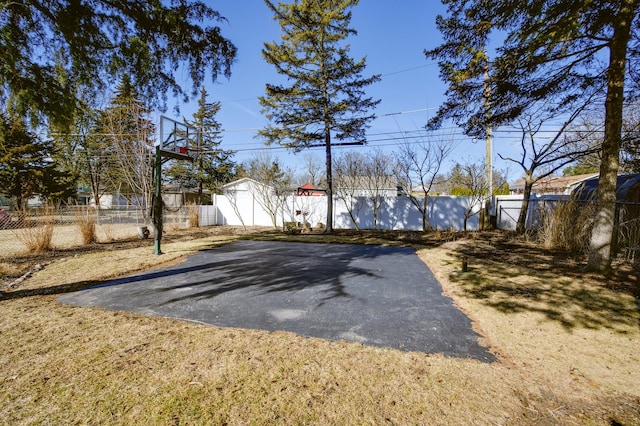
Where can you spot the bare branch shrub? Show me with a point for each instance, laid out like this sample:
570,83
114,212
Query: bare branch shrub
232,196
85,219
567,226
193,214
37,236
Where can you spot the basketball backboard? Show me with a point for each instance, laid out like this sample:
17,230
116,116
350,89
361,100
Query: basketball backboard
178,140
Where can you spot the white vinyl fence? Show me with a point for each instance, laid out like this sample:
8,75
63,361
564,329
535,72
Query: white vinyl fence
506,209
396,213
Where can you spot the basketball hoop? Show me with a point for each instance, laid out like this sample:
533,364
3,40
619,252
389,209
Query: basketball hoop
178,141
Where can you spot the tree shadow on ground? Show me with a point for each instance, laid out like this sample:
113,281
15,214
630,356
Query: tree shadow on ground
259,266
273,267
515,277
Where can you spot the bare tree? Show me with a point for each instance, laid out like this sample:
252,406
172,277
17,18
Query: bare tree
417,168
469,180
131,153
271,184
314,171
630,150
377,179
232,195
348,172
542,156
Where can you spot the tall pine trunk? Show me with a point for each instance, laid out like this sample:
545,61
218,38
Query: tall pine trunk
327,138
603,228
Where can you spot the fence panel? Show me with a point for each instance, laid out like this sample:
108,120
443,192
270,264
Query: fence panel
507,210
395,213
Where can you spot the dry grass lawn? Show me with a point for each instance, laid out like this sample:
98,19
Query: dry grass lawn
568,345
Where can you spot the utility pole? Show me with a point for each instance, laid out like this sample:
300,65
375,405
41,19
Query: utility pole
488,131
488,143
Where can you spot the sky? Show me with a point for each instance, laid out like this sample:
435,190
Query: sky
392,37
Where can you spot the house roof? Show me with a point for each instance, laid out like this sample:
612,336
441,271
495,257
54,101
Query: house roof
310,190
558,184
240,182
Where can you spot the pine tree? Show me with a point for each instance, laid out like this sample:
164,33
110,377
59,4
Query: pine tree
26,168
96,42
568,53
324,97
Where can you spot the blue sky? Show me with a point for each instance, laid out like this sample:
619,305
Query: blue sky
392,36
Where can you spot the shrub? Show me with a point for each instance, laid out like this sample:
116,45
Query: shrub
193,211
85,218
567,226
37,236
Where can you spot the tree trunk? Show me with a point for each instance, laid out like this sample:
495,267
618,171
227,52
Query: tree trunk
521,225
603,228
327,138
200,185
425,220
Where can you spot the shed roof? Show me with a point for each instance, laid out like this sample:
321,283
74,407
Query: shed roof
588,190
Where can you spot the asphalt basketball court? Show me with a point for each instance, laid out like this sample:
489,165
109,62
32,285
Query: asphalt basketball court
374,295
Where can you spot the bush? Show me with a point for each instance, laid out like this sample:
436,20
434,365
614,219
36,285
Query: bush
37,236
193,214
567,226
85,218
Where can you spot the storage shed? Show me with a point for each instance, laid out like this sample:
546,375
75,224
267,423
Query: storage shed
627,189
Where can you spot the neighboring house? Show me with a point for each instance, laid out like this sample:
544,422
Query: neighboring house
108,201
175,196
308,190
245,187
552,184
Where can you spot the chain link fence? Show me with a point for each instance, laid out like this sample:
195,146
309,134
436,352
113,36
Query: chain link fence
66,227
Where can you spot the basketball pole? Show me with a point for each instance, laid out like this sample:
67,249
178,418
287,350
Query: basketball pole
157,204
170,149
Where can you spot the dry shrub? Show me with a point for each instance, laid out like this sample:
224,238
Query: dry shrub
108,231
38,233
85,218
629,238
193,211
171,223
567,226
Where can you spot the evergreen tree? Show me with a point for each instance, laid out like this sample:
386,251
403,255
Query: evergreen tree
96,42
566,52
324,97
586,165
26,169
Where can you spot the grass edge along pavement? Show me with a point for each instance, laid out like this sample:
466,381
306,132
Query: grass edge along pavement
61,364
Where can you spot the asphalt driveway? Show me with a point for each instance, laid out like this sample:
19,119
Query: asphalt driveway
381,296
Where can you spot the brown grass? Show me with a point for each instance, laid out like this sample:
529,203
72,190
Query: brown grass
567,226
85,218
37,235
567,347
193,214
